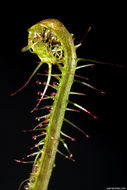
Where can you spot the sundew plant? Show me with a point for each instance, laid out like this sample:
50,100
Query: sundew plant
54,46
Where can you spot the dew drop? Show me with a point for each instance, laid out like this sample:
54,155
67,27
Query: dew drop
38,82
46,121
95,117
55,84
39,93
34,137
26,187
53,94
37,118
45,117
40,125
87,136
103,93
44,83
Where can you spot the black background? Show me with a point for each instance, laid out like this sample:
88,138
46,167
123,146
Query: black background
101,160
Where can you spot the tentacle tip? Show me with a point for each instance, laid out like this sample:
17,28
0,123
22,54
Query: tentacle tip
95,117
44,83
37,118
70,157
87,136
23,131
32,111
103,92
35,109
38,82
77,111
18,161
12,94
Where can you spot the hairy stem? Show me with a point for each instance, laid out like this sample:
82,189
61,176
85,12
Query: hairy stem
47,159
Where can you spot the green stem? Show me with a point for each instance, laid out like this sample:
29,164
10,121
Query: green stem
47,159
